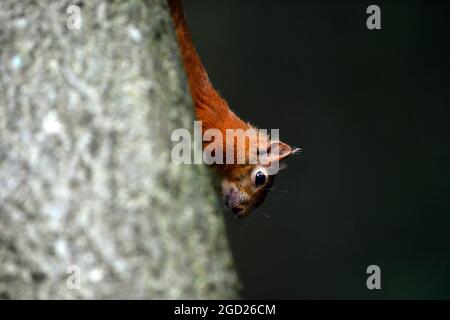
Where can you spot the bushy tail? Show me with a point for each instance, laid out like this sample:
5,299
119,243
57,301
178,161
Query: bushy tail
211,109
198,77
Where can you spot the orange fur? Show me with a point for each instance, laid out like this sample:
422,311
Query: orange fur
210,107
215,113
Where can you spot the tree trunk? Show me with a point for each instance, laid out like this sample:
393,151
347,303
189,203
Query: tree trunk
91,205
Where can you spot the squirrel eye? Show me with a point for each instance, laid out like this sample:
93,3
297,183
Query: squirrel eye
260,178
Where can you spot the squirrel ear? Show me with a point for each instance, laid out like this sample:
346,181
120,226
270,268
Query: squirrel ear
279,150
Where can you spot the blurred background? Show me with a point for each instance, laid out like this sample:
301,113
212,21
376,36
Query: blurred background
371,110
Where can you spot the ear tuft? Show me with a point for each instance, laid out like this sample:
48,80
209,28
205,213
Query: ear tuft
279,150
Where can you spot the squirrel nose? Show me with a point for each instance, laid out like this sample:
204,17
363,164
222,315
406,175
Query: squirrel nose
233,197
231,200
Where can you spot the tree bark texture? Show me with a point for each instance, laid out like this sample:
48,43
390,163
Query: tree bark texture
88,191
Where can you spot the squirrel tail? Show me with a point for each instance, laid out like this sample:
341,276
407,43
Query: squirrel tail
210,107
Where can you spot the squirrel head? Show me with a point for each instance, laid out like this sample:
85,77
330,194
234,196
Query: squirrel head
245,186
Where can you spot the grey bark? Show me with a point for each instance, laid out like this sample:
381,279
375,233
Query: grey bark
86,179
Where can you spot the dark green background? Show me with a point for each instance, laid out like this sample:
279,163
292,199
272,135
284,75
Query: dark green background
371,109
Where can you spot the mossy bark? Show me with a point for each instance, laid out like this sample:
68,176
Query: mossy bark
86,179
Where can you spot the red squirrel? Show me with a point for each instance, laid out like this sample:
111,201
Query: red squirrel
244,186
